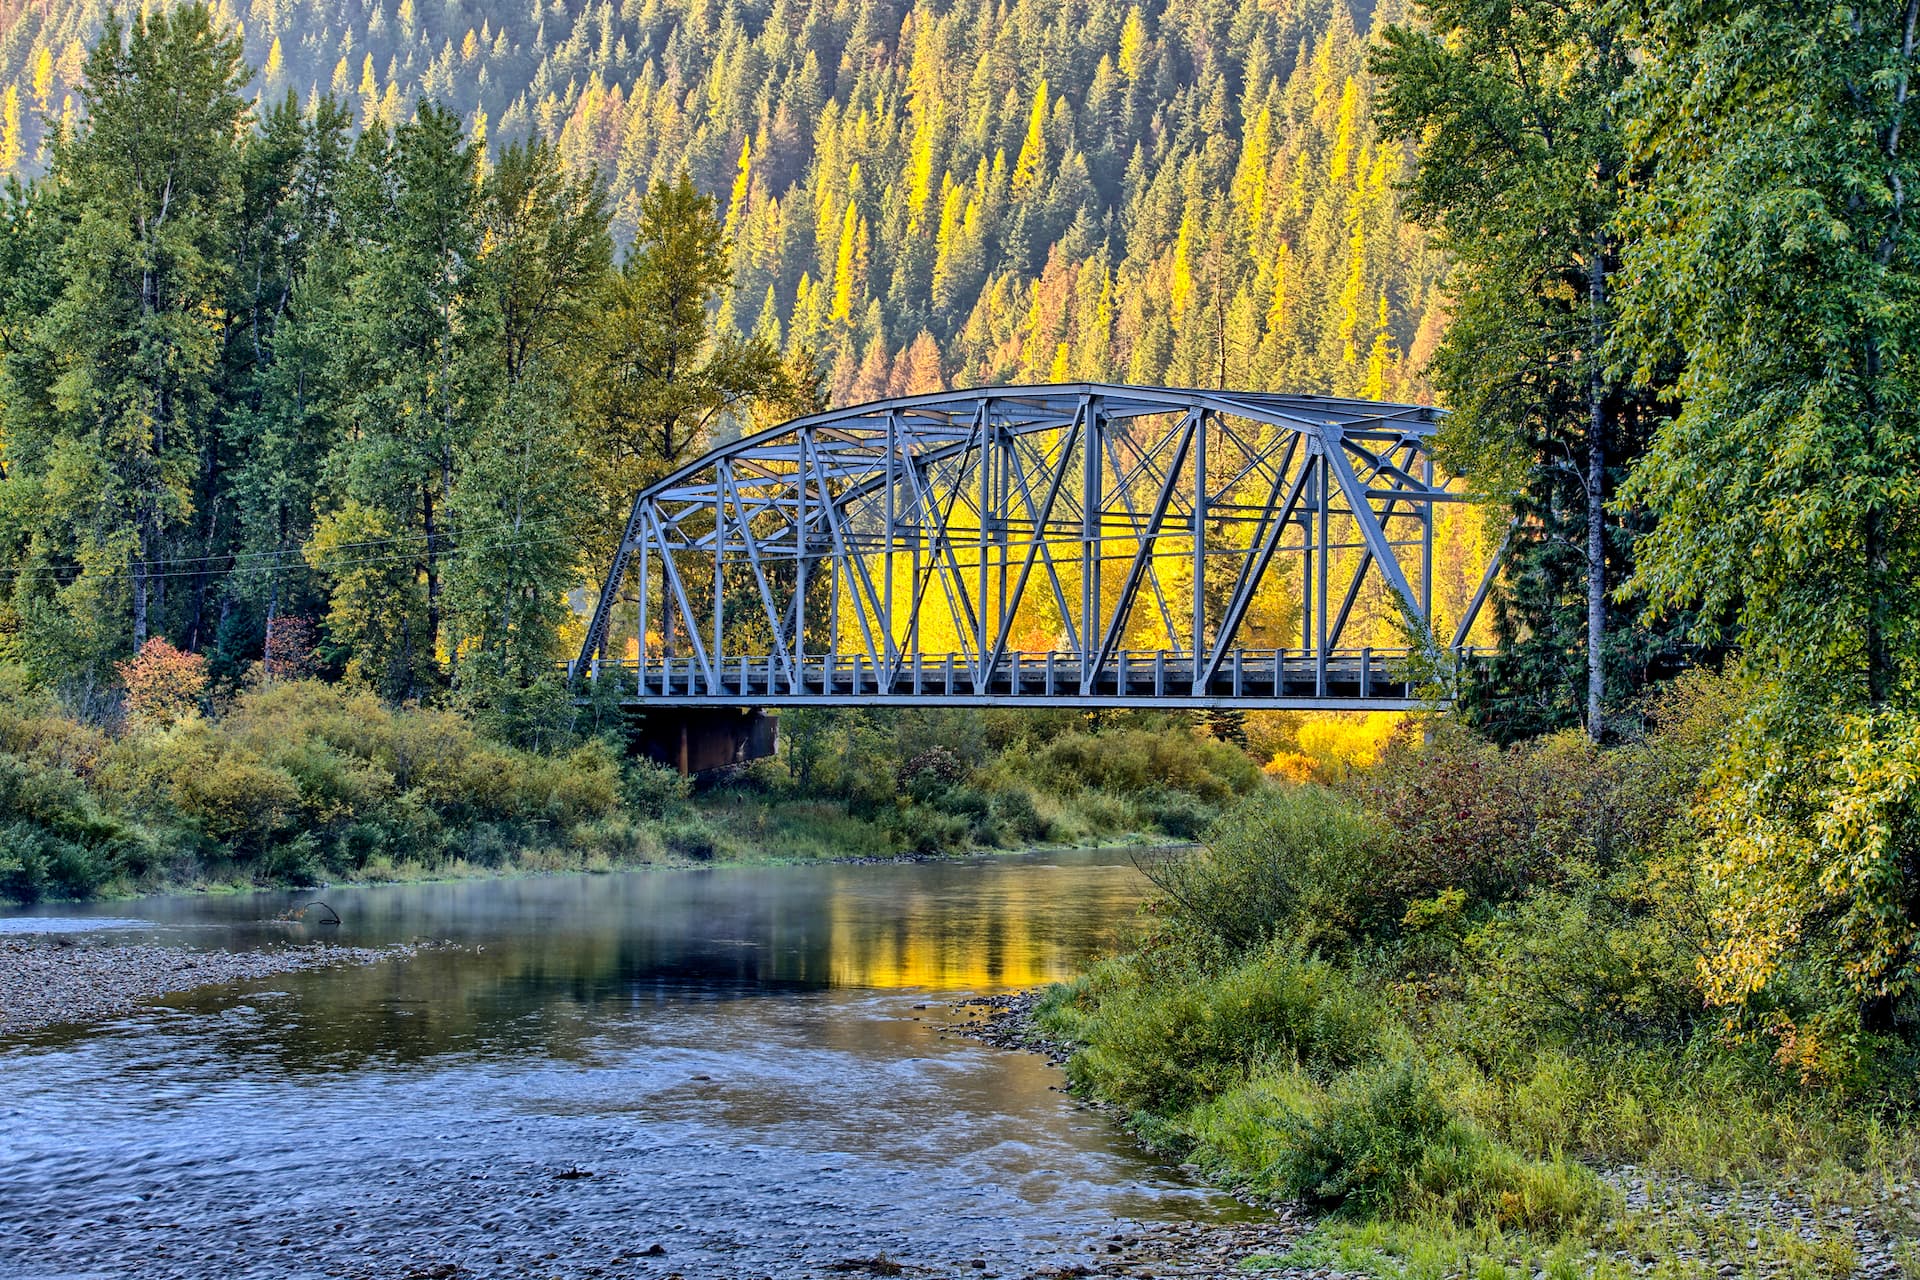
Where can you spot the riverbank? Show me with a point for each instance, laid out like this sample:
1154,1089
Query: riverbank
300,783
1654,1222
73,978
1469,1007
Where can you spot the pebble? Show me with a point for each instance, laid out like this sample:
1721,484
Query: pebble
45,983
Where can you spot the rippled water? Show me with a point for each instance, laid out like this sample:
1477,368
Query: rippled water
752,1065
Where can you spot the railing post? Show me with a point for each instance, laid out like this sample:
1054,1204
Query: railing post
1236,673
916,673
1049,673
1120,673
1159,673
949,675
1366,672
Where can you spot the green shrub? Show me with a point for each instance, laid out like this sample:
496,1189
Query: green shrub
930,831
1132,761
691,837
1600,959
1166,1033
1176,813
1015,815
649,789
1293,859
1364,1146
1384,1142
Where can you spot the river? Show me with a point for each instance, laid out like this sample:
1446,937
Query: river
717,1073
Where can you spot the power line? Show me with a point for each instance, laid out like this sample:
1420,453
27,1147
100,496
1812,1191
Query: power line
328,566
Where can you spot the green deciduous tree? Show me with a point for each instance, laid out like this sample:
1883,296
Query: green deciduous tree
517,508
1522,166
377,615
146,192
1774,245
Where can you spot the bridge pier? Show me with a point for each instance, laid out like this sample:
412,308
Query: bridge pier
699,739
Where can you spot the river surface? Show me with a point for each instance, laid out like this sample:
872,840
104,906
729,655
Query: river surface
752,1070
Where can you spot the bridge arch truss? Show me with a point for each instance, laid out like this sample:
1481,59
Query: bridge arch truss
1070,545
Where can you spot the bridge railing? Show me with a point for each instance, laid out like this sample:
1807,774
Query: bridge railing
1131,677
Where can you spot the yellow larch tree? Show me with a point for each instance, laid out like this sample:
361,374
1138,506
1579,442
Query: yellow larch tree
1030,169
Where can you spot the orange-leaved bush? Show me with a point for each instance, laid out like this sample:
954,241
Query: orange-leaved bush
164,684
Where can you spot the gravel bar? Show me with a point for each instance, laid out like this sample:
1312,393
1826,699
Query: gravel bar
47,983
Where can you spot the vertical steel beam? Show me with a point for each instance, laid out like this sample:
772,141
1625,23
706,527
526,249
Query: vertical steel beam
800,567
640,646
983,427
890,537
1092,445
1199,544
1426,540
719,577
1320,574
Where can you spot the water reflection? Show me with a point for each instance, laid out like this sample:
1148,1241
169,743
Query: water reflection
742,1057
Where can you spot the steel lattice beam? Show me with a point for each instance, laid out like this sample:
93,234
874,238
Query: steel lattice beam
950,529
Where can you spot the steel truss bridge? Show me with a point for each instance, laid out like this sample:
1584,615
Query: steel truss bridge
1080,545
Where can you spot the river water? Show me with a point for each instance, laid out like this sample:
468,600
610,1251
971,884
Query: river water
752,1071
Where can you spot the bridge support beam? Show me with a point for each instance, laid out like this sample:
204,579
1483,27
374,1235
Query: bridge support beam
702,739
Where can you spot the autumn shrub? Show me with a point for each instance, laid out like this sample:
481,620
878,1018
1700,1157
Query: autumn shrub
289,650
164,684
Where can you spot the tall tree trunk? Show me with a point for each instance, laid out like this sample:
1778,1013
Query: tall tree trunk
433,571
1596,501
139,596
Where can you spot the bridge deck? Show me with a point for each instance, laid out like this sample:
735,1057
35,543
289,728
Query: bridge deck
1268,679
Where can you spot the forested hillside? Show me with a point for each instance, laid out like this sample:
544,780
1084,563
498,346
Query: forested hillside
922,193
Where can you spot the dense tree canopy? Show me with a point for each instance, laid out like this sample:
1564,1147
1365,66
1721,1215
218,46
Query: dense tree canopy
1775,248
256,369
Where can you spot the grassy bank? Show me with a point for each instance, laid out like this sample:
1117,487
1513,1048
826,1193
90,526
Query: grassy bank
1458,1002
300,781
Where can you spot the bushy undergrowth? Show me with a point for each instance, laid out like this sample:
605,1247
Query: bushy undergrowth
1445,990
294,781
300,780
941,781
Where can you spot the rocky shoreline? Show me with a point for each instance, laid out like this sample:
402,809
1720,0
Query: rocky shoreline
1672,1225
1166,1250
46,982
